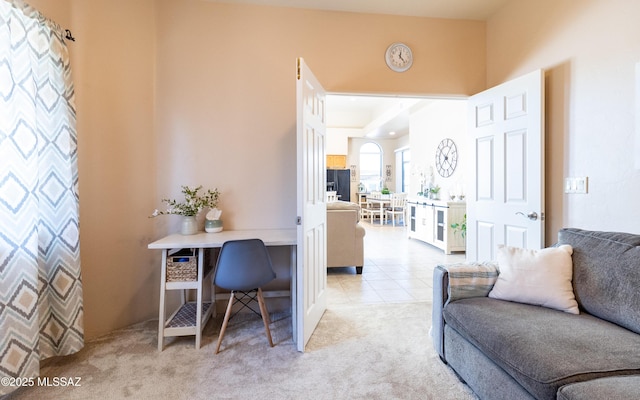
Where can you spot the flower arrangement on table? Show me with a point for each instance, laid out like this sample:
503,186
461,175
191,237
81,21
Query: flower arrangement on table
193,203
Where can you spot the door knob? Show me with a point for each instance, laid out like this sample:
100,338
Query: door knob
532,215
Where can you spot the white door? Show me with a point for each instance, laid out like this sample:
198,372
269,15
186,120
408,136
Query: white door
311,274
505,201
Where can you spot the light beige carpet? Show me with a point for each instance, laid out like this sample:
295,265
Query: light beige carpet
357,352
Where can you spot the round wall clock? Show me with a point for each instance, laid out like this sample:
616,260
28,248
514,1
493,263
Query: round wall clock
446,158
399,57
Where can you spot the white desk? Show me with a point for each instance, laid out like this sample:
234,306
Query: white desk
201,309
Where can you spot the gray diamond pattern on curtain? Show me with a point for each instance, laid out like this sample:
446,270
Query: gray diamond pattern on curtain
41,308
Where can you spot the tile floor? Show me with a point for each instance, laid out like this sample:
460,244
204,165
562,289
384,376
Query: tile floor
396,269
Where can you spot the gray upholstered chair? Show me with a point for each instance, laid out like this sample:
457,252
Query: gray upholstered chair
243,267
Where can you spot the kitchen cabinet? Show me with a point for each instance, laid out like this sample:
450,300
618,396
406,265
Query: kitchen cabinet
336,161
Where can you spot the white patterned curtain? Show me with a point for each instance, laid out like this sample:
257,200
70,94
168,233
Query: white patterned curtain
41,309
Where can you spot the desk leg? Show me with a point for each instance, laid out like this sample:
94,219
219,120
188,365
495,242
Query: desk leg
162,313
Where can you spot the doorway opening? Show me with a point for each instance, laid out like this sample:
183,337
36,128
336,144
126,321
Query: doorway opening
407,130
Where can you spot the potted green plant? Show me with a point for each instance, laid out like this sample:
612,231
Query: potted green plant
435,192
193,203
460,226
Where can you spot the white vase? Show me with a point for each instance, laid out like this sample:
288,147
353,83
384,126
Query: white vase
189,225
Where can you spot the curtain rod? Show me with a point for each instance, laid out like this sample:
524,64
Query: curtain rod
69,36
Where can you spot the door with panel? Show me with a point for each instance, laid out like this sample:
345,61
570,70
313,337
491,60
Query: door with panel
311,270
506,189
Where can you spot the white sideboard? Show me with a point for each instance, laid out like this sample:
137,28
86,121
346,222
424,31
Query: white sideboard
430,221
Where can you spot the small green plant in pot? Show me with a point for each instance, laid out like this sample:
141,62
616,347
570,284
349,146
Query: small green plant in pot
193,203
435,193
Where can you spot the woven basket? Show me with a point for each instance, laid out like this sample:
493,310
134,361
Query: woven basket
183,266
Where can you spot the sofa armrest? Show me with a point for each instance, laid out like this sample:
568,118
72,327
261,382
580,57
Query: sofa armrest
440,296
345,243
360,231
454,282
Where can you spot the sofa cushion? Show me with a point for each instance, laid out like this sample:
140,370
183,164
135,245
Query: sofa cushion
613,388
344,205
606,274
541,348
538,277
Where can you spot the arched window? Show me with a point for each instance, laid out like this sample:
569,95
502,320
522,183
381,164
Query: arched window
371,166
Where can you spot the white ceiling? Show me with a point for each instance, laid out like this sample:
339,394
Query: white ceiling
456,9
383,117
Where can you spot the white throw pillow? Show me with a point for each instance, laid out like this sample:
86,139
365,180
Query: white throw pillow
539,277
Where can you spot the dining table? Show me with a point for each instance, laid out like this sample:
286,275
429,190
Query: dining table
379,203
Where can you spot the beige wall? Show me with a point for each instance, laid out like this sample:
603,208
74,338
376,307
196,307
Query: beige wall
58,11
113,61
188,92
226,89
589,50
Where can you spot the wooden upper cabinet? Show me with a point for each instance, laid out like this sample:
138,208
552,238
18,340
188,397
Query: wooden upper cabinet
336,161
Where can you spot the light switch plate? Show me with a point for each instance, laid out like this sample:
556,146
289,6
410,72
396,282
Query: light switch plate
576,185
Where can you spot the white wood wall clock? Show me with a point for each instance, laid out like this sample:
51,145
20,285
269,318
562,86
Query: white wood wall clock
399,57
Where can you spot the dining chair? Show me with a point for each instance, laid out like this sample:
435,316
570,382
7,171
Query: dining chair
397,207
374,208
244,267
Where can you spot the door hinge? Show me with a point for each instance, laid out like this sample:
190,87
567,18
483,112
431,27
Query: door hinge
298,220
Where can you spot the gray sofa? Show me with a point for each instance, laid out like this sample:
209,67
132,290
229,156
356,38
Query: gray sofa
509,350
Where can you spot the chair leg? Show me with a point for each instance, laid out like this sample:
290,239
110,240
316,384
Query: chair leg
265,316
227,315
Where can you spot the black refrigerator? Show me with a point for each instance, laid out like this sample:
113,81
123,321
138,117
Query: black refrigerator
339,180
